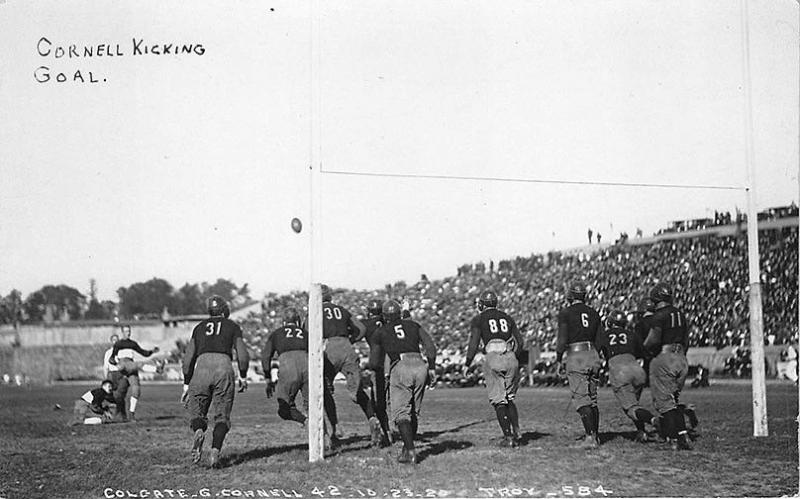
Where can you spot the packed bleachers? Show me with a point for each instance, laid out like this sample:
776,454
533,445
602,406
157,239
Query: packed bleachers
708,273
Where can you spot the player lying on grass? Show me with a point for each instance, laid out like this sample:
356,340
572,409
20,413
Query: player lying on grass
94,406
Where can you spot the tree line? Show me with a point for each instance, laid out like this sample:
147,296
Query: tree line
141,300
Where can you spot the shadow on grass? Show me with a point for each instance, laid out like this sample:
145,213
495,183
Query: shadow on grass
531,436
259,453
431,434
607,436
442,447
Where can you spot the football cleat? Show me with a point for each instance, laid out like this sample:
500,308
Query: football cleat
641,437
376,434
407,456
197,445
591,441
213,459
683,442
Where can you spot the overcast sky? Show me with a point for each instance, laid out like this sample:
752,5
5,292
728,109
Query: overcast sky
190,167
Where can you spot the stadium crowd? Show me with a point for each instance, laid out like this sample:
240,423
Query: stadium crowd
709,275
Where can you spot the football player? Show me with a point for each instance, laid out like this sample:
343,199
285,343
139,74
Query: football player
290,342
641,327
338,326
208,377
669,337
94,406
501,343
578,327
122,356
380,388
621,349
400,339
118,380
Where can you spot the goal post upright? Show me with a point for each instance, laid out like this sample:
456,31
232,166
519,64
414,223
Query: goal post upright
758,374
316,424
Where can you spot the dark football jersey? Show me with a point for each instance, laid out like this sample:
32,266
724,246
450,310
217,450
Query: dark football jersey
494,325
335,321
642,326
673,324
215,335
582,323
288,338
372,324
402,337
616,341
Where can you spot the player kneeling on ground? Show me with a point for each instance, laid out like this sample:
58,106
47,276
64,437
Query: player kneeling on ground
208,377
94,406
400,339
621,348
501,342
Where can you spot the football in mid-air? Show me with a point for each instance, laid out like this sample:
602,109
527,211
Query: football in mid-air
297,225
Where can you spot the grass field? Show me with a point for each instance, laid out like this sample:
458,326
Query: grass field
264,455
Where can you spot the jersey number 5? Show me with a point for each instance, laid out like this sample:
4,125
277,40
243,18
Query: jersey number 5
398,330
213,328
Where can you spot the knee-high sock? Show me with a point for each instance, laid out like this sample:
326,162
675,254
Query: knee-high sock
501,410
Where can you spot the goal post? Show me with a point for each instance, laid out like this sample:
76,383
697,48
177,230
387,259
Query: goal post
316,425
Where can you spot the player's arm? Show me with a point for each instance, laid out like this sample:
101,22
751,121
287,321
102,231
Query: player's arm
142,351
563,335
376,353
189,358
266,356
429,346
359,327
517,338
474,341
653,339
430,354
686,336
242,357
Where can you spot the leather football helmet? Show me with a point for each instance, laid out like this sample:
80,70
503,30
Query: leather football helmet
661,292
577,291
391,311
218,307
616,318
375,307
487,299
